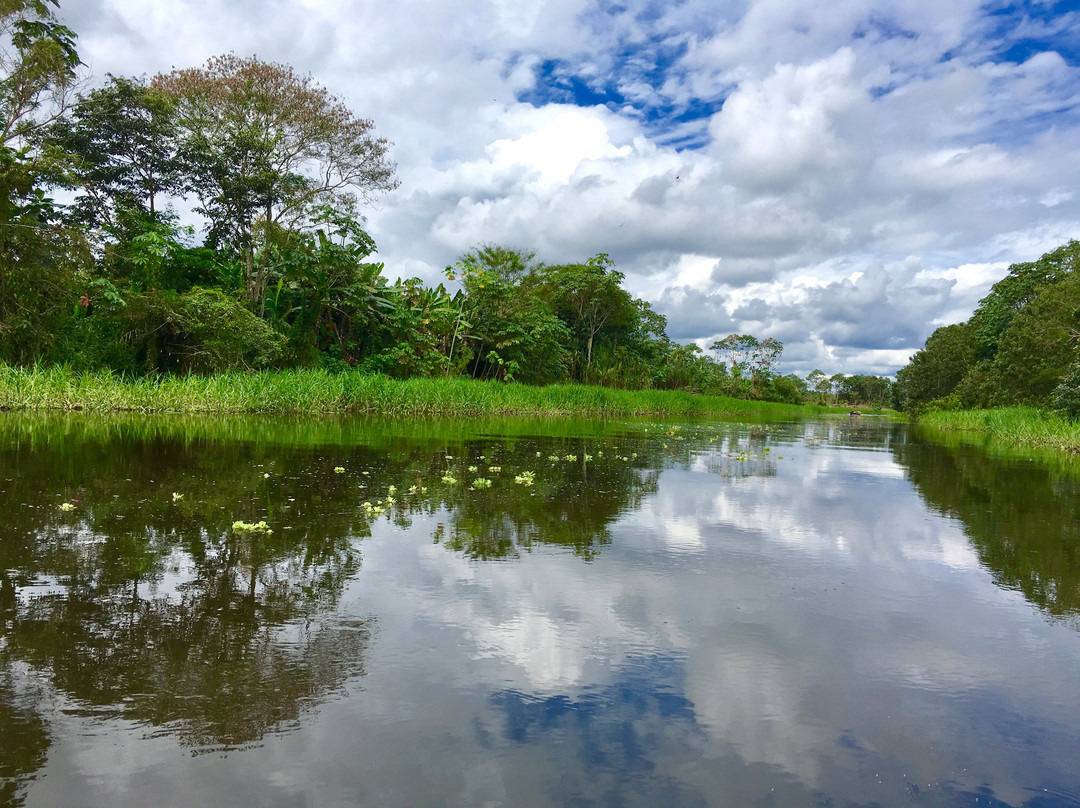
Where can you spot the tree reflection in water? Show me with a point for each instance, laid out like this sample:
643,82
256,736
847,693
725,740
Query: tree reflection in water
1023,518
146,607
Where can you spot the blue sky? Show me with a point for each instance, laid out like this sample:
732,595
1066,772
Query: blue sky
843,177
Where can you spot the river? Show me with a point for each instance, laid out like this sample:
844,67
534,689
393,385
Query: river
334,612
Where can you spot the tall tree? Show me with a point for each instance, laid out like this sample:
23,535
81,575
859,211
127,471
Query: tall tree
590,298
124,139
264,145
38,64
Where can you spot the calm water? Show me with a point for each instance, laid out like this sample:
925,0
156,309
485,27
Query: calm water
823,613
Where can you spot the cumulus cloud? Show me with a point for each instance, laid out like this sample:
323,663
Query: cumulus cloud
844,179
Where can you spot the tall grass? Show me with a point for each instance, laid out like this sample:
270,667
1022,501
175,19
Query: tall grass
1020,426
316,391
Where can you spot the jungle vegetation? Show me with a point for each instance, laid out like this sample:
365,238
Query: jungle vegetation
1019,348
284,275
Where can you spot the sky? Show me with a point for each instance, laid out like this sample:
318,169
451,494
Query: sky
844,176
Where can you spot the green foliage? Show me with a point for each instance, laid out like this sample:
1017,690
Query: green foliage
40,259
590,300
865,390
1019,347
1038,347
123,137
198,331
215,333
324,295
511,328
789,389
938,368
1009,296
1066,397
821,386
685,367
264,148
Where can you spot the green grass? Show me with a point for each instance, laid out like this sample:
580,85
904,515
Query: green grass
319,392
1018,426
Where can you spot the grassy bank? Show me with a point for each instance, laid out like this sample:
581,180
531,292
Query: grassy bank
1018,426
314,391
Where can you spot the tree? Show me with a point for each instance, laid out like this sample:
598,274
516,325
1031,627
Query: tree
788,388
936,370
123,136
38,64
736,351
590,298
38,68
327,296
1039,347
749,358
264,145
512,331
864,389
1009,296
817,381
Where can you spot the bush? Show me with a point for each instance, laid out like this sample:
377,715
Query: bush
215,332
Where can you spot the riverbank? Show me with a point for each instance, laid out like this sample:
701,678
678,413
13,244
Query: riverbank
1019,426
319,392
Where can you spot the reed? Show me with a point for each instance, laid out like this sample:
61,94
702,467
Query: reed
1020,426
320,392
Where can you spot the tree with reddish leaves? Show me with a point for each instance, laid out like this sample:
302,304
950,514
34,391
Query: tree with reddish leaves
263,147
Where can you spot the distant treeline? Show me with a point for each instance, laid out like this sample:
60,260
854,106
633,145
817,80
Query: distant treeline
1020,347
283,277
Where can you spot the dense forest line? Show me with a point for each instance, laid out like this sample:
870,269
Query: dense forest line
283,275
1018,348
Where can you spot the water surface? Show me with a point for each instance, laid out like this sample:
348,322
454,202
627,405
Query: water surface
817,613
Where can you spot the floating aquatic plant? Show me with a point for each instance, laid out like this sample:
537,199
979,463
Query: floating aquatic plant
480,482
449,479
177,497
339,469
66,506
525,478
251,527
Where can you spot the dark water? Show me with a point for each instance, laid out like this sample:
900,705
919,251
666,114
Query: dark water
824,613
